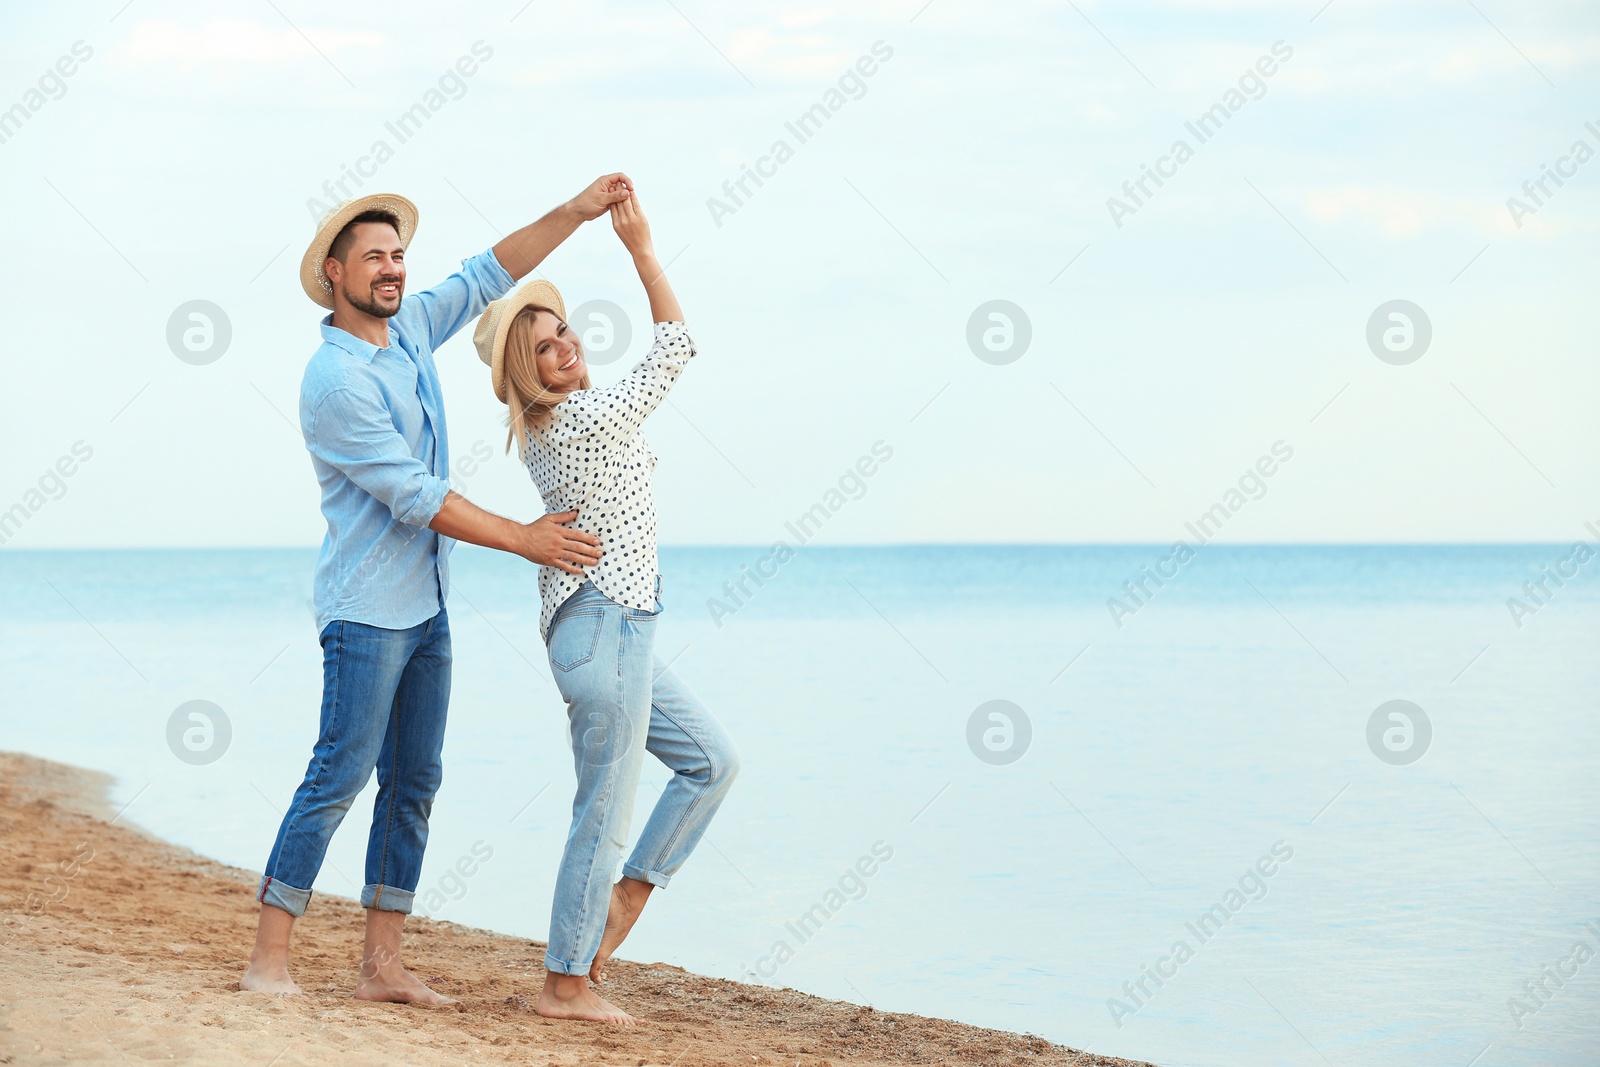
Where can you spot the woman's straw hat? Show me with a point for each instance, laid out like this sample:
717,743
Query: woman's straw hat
316,285
490,335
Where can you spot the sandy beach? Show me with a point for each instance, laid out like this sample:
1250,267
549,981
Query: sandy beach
119,948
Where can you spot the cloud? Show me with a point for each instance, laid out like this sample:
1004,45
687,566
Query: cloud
644,52
1467,62
1396,212
234,42
1408,212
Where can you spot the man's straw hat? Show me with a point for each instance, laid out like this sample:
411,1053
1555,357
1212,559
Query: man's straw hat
312,279
490,335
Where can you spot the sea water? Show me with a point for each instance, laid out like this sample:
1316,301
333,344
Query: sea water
1182,837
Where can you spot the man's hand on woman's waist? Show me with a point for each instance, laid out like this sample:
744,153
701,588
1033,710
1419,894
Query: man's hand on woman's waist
547,541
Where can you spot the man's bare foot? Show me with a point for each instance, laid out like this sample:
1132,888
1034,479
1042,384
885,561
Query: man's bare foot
396,985
382,976
628,899
269,959
568,996
264,978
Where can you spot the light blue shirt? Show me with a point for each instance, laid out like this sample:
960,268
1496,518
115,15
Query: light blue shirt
373,421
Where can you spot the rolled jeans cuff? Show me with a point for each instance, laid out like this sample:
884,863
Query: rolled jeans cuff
638,874
563,967
387,898
282,895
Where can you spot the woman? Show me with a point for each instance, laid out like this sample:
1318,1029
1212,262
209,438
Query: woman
584,449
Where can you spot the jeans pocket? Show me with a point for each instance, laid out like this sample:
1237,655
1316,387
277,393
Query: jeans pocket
574,639
635,615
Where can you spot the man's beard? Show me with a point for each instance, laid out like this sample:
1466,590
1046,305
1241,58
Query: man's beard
370,304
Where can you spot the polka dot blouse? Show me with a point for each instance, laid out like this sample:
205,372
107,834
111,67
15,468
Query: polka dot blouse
590,456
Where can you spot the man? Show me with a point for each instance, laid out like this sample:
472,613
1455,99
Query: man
373,420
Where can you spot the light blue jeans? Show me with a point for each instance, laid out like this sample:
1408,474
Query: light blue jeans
621,703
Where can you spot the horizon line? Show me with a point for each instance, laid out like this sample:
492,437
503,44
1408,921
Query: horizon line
763,546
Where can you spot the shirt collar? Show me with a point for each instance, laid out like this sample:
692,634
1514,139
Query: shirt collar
352,344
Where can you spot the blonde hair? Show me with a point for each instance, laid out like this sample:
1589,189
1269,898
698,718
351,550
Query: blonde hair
527,398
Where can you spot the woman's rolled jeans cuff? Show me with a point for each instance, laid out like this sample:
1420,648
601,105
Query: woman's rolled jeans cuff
639,874
556,966
288,898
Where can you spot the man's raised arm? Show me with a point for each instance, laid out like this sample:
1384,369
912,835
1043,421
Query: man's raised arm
525,249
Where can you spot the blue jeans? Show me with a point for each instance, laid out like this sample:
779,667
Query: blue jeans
622,702
384,698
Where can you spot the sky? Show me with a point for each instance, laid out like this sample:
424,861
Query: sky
956,266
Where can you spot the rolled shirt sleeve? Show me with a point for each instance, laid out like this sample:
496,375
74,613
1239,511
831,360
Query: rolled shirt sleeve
355,434
441,310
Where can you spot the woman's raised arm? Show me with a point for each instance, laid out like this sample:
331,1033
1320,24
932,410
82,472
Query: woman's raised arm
634,230
615,412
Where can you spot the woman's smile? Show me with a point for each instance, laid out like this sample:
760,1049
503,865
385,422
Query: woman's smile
557,353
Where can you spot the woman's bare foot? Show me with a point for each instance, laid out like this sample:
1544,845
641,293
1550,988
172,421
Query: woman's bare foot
568,996
628,899
397,985
262,977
